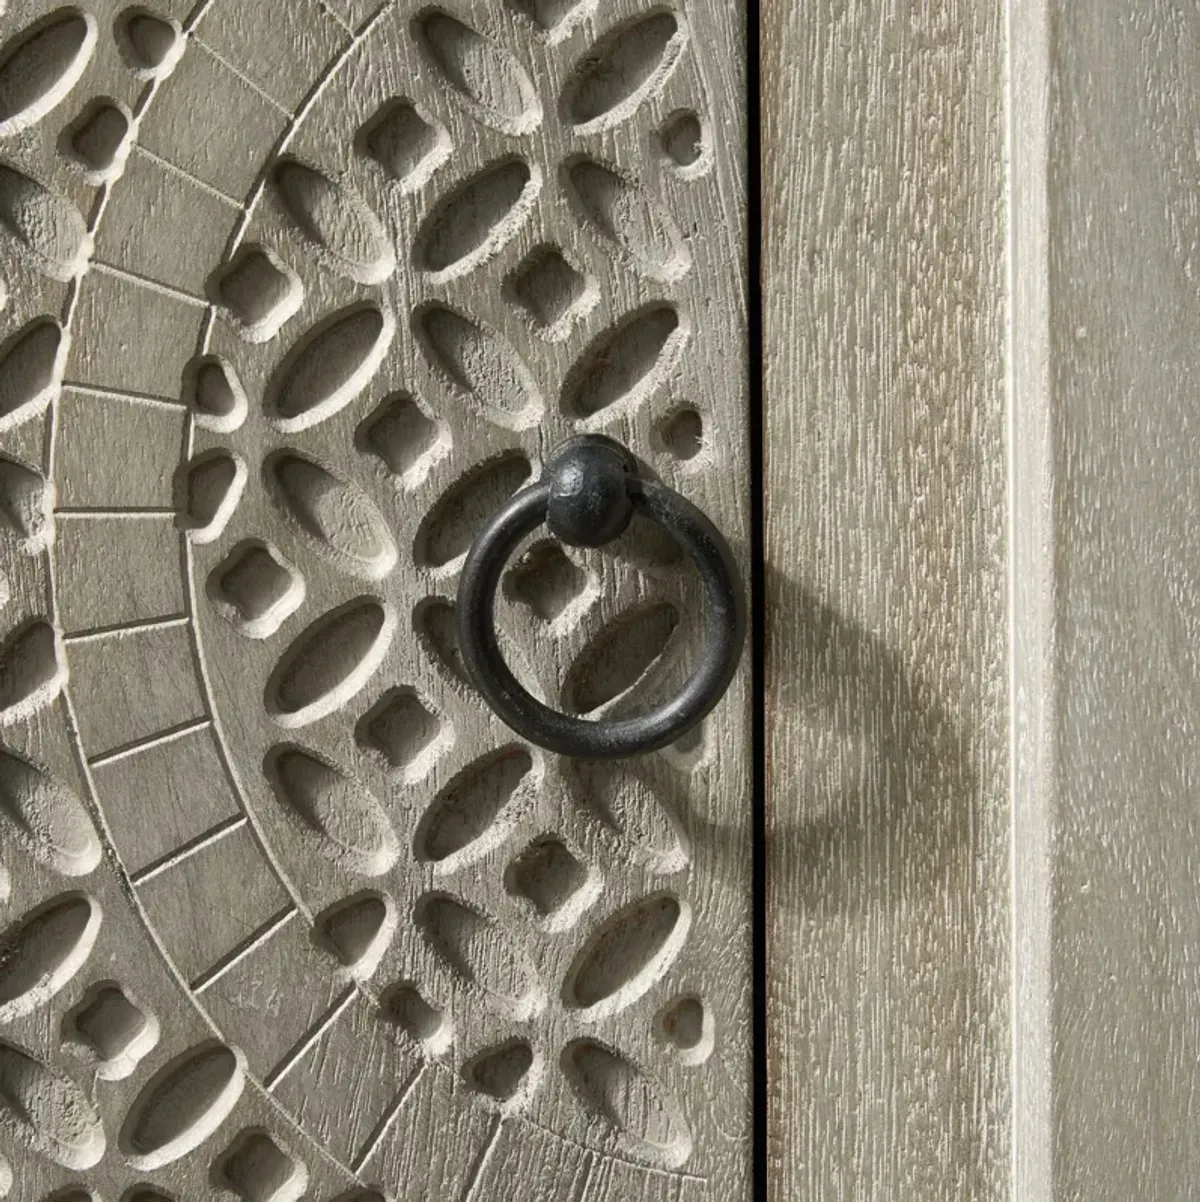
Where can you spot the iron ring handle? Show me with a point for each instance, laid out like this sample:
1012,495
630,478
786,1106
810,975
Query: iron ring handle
588,495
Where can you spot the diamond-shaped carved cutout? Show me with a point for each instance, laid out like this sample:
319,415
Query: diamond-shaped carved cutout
555,883
552,292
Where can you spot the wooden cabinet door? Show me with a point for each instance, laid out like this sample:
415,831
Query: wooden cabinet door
979,260
296,293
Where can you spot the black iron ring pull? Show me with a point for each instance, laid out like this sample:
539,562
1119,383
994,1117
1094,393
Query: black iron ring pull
588,494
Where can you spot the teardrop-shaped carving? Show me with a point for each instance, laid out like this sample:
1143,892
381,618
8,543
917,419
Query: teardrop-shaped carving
33,671
150,43
467,817
329,366
646,1120
450,527
627,363
40,66
334,811
436,627
182,1106
46,818
42,953
208,490
556,18
622,69
479,951
481,362
336,219
404,1005
486,76
623,805
47,1111
99,140
343,521
628,218
31,366
506,1075
214,394
26,505
473,222
330,662
48,229
627,955
358,930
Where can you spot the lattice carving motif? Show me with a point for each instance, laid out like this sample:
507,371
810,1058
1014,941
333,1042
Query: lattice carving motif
295,293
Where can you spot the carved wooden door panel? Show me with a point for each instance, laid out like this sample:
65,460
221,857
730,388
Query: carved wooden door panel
295,293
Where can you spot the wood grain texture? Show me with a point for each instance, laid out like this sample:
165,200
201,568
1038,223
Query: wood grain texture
1124,362
888,773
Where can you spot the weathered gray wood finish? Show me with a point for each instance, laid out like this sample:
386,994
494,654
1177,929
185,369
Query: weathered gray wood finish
295,294
982,553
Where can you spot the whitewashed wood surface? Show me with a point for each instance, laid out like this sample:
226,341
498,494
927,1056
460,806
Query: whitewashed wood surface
981,321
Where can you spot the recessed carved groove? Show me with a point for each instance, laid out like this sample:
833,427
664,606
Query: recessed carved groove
150,44
406,1007
472,223
548,583
31,366
344,523
258,291
407,144
685,141
182,1106
619,657
481,362
336,813
46,818
620,72
682,434
631,221
214,394
555,883
357,931
255,589
99,141
450,527
329,366
330,662
42,953
33,671
40,65
473,812
626,956
646,1119
47,1111
686,1025
405,732
481,953
112,1029
404,437
552,292
257,1169
627,363
485,76
554,17
47,229
336,220
505,1075
208,490
649,832
26,505
436,628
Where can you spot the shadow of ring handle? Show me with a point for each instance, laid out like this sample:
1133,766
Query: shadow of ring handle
588,494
